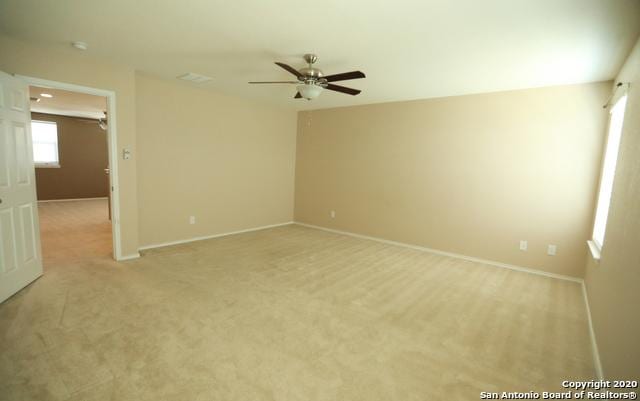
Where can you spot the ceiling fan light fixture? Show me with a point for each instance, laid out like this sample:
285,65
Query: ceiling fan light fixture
310,81
310,91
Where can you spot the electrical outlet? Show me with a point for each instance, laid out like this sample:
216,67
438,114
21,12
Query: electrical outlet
192,219
551,250
333,214
523,245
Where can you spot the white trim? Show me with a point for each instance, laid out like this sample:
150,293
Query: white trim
450,254
46,165
129,257
594,249
592,333
93,115
184,241
113,147
71,200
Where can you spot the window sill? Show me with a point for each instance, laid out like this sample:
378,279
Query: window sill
595,251
47,165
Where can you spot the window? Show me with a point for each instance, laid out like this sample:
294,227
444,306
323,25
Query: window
608,171
45,143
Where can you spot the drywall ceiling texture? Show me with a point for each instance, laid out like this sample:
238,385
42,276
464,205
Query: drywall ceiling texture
67,103
612,285
472,175
66,65
409,49
226,161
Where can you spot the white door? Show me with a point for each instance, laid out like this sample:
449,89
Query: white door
20,254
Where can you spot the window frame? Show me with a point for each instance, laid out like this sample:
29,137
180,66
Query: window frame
595,245
57,145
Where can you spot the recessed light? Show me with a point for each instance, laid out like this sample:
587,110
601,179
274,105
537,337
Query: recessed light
80,45
47,95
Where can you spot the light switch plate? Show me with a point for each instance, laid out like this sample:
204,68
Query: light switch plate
551,250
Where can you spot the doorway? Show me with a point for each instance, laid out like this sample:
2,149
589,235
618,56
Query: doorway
74,141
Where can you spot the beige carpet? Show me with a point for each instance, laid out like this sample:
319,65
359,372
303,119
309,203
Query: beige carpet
290,313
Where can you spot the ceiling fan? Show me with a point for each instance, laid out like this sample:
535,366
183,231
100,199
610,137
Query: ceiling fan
102,122
311,81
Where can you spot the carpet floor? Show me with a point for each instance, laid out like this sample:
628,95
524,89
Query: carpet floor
290,313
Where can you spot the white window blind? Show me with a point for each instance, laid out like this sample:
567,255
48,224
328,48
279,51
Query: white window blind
45,143
608,170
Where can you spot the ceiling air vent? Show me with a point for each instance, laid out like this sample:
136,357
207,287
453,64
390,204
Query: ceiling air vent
197,78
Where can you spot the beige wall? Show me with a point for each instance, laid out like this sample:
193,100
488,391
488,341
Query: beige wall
83,154
613,285
228,162
471,175
62,63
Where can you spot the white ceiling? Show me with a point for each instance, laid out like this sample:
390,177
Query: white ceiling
67,103
409,49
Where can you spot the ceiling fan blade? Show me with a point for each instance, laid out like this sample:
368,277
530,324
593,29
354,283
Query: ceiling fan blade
343,89
298,96
290,69
345,76
274,82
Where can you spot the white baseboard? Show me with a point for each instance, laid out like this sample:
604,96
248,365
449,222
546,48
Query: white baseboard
596,355
129,257
70,200
184,241
592,334
594,344
444,253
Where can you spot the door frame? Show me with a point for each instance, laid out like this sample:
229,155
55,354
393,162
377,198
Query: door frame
112,148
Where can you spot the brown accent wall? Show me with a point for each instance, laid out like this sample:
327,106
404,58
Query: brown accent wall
83,156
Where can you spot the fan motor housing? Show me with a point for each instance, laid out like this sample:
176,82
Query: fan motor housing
310,72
